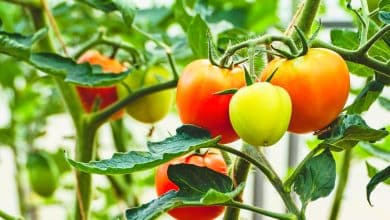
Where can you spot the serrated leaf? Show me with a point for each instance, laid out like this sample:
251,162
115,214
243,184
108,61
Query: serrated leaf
197,186
317,177
366,97
347,131
197,37
381,176
187,138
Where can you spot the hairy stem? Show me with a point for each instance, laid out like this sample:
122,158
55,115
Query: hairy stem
342,183
275,215
306,19
240,173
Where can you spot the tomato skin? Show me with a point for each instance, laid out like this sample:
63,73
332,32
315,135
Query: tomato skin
108,94
150,108
197,102
260,113
318,84
213,161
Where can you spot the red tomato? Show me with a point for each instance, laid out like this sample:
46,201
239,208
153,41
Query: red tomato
108,95
197,102
318,84
213,161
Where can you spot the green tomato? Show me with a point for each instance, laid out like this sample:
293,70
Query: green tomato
150,108
43,173
260,113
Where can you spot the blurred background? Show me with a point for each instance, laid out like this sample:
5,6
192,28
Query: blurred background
32,116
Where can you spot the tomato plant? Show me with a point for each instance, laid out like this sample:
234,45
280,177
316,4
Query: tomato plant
211,160
260,113
318,84
68,67
197,101
151,108
100,97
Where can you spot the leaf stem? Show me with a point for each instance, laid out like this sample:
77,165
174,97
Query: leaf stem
342,183
365,23
100,117
288,183
6,216
261,211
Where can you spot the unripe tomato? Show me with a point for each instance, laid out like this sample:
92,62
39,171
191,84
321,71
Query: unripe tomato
260,113
43,173
318,84
211,160
197,102
107,94
150,108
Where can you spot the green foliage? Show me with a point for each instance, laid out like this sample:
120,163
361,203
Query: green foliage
197,37
379,177
317,178
366,97
187,138
197,186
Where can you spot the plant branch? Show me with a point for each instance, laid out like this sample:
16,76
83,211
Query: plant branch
342,183
265,39
6,216
256,158
288,183
366,22
307,16
377,36
261,211
100,117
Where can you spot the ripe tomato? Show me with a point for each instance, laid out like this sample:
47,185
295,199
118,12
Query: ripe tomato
211,160
197,102
318,84
43,173
153,107
260,113
108,94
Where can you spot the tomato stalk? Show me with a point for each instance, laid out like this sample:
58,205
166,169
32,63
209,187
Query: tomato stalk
342,183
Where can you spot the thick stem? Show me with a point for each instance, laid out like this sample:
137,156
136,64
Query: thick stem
342,183
306,19
85,152
240,173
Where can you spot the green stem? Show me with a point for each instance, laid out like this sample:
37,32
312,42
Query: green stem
6,216
288,183
100,117
255,157
366,22
275,215
342,183
85,152
265,39
239,175
306,19
20,183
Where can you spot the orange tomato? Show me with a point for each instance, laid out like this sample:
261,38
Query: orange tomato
211,160
318,84
108,94
197,102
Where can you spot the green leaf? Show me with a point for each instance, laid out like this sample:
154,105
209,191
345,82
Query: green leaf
183,14
379,177
317,177
187,138
197,37
376,151
384,16
372,171
366,97
384,102
17,45
345,132
197,186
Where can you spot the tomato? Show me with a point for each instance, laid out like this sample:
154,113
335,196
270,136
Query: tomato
197,102
260,113
211,160
150,108
318,84
108,94
43,173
